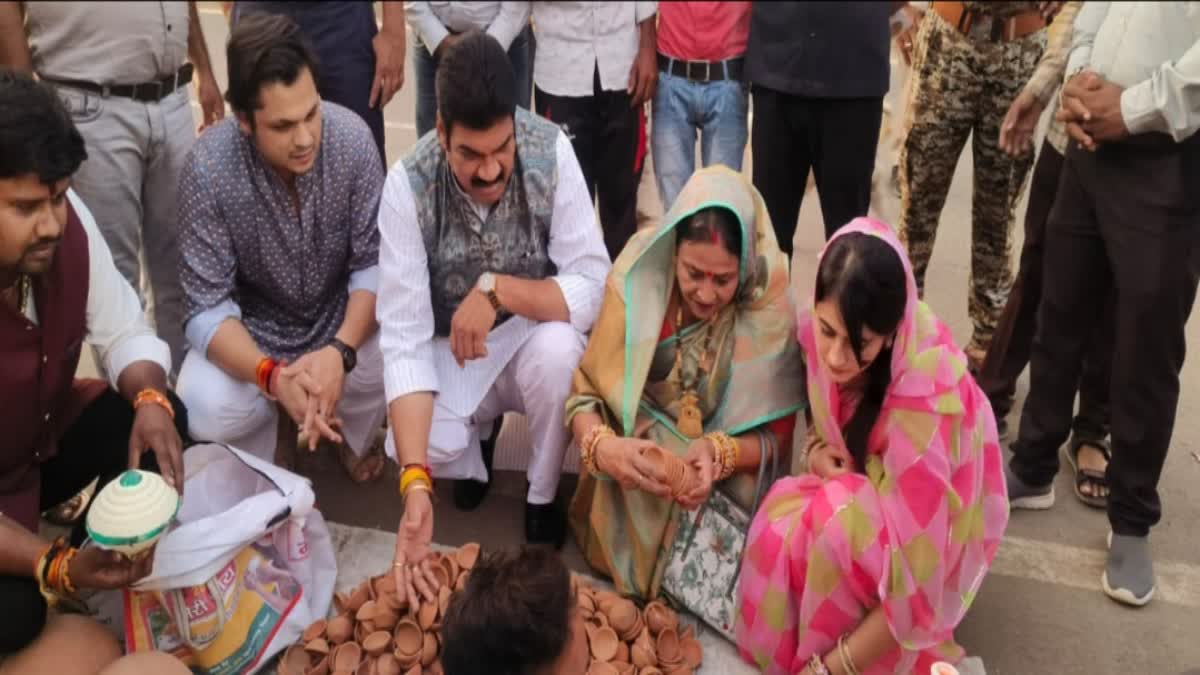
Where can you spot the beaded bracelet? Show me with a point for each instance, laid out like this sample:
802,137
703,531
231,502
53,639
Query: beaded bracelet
587,449
817,666
150,395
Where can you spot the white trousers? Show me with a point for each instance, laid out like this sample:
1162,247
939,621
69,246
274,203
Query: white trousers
226,410
536,382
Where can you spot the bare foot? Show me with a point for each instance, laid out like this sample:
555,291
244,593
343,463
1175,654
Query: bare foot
1092,458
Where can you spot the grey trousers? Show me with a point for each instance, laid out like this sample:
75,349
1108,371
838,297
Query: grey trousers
129,182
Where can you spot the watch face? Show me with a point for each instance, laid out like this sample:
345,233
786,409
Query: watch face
487,282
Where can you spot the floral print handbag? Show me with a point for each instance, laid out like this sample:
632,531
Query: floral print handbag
705,557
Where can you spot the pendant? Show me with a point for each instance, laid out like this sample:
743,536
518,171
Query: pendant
690,422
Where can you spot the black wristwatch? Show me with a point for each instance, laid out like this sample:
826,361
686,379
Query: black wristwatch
349,356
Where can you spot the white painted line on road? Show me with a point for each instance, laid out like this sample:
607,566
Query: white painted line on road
1076,567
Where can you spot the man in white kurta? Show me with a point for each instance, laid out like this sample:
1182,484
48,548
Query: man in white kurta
492,269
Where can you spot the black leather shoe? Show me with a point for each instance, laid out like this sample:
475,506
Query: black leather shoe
545,524
469,494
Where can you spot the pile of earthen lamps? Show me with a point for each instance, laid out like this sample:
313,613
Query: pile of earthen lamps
375,632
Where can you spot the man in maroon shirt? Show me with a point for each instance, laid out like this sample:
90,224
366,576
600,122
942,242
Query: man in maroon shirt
60,288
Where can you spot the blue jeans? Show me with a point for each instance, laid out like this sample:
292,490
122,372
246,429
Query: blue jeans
426,70
681,108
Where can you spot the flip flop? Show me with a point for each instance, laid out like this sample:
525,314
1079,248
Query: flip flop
69,512
1092,476
373,462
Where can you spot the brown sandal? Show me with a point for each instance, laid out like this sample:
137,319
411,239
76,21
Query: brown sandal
1097,479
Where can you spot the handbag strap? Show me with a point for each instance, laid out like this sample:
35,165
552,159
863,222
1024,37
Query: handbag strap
766,445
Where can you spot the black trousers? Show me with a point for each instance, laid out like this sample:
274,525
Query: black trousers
609,138
1127,222
95,447
1013,340
834,137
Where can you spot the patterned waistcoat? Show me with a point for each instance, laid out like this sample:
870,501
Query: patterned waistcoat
515,238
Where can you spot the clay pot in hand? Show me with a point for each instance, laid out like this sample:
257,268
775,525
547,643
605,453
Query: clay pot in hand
603,644
339,629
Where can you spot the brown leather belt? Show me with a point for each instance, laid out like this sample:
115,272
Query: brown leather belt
993,28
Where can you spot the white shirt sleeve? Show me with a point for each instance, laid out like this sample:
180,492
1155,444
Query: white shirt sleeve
425,24
509,23
116,325
576,245
403,306
1169,101
644,10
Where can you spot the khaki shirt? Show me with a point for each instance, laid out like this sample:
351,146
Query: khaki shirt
108,42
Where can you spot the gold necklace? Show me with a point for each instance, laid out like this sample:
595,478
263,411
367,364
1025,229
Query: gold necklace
21,288
690,422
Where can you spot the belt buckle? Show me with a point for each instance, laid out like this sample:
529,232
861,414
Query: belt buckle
707,70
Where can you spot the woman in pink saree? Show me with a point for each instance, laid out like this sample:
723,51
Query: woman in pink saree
867,562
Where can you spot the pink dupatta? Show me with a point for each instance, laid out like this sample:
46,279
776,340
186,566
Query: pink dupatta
935,459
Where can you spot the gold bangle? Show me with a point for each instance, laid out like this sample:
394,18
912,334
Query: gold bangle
727,453
420,485
587,449
844,655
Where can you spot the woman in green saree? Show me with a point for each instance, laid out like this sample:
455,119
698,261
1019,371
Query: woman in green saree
694,353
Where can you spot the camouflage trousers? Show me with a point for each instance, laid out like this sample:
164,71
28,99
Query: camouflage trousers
963,86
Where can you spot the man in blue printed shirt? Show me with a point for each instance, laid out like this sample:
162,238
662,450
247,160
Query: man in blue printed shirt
280,260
